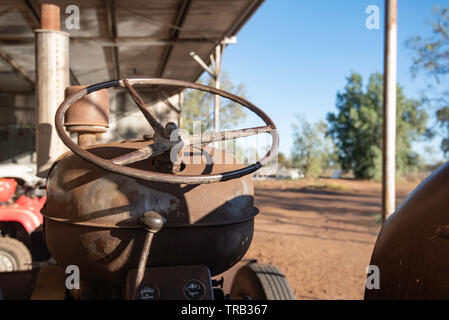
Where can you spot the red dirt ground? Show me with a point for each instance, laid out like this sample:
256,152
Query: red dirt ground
320,233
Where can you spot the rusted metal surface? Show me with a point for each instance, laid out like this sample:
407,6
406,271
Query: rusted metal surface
412,248
104,254
93,216
153,223
94,211
226,135
157,176
86,188
87,116
50,19
86,139
146,152
163,145
91,111
142,262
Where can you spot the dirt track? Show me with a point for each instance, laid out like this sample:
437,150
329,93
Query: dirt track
320,233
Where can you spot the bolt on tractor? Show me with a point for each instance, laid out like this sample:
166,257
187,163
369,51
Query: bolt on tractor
150,218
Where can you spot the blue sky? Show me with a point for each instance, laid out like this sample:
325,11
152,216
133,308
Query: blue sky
294,55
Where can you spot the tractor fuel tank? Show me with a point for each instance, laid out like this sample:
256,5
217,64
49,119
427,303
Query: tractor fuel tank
92,216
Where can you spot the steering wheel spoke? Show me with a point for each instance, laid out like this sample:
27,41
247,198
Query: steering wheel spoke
147,113
146,152
207,138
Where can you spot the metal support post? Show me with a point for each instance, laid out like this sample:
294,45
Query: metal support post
389,111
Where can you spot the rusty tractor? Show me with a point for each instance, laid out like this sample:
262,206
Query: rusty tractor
150,218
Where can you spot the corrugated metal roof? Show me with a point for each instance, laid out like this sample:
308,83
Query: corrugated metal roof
120,39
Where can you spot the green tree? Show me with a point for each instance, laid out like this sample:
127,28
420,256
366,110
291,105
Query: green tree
312,151
431,57
356,128
282,159
199,106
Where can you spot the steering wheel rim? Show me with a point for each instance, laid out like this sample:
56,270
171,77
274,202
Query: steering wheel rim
110,166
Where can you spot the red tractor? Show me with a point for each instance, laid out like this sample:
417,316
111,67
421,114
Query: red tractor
20,221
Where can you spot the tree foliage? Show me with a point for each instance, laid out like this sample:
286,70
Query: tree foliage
199,106
312,151
356,128
431,57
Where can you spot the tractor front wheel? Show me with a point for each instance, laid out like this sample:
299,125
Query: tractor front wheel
258,281
14,255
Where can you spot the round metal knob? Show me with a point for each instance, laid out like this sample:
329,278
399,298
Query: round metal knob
153,221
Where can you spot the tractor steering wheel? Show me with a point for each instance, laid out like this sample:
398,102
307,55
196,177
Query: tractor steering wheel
162,142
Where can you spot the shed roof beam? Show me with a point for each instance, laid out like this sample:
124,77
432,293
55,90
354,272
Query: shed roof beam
16,67
112,30
11,39
236,26
184,7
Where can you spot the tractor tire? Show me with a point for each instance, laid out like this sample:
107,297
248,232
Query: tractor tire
14,255
259,281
